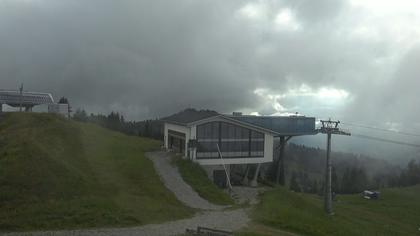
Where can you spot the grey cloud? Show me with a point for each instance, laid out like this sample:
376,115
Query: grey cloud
152,58
321,11
401,97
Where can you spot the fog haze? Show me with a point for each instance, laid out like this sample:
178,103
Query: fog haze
357,61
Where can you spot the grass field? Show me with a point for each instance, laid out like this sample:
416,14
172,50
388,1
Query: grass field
396,213
60,174
196,177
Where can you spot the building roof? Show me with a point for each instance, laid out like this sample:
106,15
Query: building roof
282,125
14,98
189,115
278,125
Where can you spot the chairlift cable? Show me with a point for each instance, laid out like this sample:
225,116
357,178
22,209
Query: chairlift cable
385,140
381,129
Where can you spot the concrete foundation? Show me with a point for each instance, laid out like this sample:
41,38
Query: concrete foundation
245,180
254,181
210,169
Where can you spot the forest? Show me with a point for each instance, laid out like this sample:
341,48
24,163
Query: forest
351,173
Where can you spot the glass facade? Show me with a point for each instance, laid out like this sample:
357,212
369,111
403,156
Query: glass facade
234,141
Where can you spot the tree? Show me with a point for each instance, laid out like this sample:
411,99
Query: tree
294,185
146,131
321,190
305,183
80,115
413,172
314,188
410,175
63,100
354,180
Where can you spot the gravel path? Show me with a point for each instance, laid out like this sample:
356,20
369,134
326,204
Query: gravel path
248,194
173,181
224,220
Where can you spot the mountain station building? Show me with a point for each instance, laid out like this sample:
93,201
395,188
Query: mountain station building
217,141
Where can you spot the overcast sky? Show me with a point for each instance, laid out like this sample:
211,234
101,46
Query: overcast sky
355,60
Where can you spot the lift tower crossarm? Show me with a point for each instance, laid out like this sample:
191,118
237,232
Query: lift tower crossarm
329,127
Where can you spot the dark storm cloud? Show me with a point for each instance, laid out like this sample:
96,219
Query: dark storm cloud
131,53
153,58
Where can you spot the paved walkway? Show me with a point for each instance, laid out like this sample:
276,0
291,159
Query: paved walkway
173,181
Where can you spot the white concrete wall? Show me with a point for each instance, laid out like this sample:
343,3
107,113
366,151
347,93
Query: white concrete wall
165,136
193,135
62,109
268,147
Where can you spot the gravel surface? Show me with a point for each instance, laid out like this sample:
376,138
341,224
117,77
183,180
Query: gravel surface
223,220
173,181
248,194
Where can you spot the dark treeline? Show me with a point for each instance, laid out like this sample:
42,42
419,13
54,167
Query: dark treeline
116,122
351,173
409,175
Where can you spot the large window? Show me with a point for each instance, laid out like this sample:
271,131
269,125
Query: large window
234,141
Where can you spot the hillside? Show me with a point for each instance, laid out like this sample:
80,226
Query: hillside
193,174
396,213
56,174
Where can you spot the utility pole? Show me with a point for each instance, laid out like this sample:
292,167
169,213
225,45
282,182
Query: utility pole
21,97
329,127
280,175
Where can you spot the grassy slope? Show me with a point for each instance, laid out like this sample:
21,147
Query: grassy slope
196,177
58,174
397,213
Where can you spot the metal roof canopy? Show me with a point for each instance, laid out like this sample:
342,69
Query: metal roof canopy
26,99
189,115
279,125
283,125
